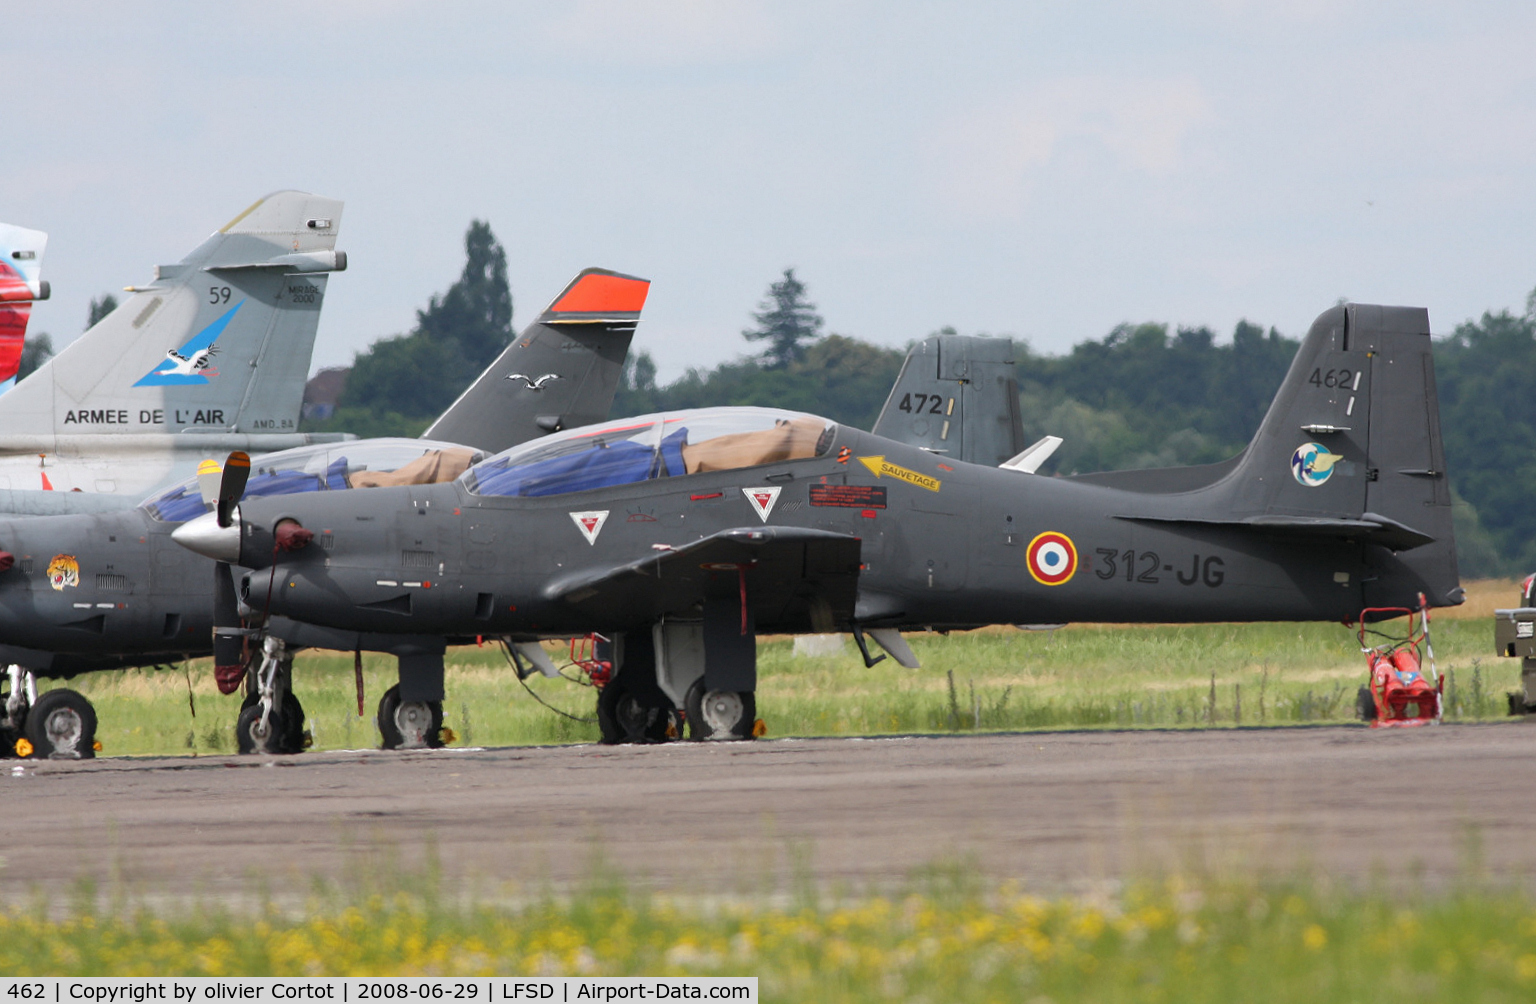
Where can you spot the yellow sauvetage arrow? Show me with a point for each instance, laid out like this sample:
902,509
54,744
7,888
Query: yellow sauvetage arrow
880,468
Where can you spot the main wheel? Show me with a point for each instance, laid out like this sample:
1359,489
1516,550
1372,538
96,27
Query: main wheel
293,724
62,726
633,715
1365,705
720,714
409,724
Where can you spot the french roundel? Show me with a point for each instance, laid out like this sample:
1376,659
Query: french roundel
1052,558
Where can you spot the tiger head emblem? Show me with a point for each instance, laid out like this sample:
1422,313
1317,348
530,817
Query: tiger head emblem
63,571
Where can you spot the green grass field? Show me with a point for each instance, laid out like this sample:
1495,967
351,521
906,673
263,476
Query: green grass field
942,938
1081,676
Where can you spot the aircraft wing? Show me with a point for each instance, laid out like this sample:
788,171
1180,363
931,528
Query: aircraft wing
791,578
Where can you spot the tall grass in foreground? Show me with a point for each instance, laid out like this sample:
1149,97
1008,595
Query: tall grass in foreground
944,938
1080,676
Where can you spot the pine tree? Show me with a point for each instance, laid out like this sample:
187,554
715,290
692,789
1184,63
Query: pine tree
417,375
101,306
476,312
35,351
785,319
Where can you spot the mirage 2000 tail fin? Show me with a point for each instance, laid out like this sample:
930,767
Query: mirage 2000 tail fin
561,372
21,259
957,395
218,342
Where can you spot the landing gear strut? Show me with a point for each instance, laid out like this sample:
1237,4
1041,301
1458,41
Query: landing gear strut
20,694
271,718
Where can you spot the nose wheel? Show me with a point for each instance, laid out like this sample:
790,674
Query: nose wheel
409,725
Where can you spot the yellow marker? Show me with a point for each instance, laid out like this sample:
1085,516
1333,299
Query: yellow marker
23,747
880,468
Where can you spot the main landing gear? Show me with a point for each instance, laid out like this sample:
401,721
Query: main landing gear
410,725
700,673
59,724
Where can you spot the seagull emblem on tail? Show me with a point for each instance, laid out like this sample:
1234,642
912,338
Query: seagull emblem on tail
532,383
188,365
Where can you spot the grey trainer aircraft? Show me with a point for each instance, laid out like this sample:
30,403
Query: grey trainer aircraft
89,592
685,534
209,357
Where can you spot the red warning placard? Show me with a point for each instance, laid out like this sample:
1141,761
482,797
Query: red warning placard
849,496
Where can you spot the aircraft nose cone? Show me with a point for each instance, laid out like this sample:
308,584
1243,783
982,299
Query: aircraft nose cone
205,536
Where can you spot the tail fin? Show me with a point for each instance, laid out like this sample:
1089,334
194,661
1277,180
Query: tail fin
561,372
957,395
219,341
1350,448
1354,434
21,259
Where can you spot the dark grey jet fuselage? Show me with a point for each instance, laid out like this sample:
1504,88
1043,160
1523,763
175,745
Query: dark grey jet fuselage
750,520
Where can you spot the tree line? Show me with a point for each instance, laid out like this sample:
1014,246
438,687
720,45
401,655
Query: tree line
1141,396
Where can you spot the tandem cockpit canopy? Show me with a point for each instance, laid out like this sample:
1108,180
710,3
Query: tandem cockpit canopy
652,446
371,463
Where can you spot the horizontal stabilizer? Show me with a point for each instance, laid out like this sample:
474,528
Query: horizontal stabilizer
1378,529
1030,460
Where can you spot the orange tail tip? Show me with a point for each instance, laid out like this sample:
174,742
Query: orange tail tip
597,293
47,485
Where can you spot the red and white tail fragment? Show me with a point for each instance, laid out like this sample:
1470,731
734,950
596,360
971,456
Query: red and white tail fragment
21,262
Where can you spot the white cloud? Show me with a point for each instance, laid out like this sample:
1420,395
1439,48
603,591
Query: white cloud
989,158
684,32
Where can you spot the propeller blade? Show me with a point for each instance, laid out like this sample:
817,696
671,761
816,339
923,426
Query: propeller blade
228,638
209,474
237,469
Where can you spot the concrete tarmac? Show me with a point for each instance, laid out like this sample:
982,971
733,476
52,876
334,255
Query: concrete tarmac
1055,810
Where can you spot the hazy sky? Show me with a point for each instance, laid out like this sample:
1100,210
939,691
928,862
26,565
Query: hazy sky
1045,170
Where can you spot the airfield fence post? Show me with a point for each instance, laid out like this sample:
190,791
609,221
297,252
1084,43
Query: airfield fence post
954,703
1210,711
1263,687
1237,704
1450,693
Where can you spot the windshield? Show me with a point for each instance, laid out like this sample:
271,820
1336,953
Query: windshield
367,463
652,446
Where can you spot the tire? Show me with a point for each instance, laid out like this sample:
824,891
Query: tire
1365,705
627,716
1517,705
293,724
247,740
390,727
62,726
720,714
